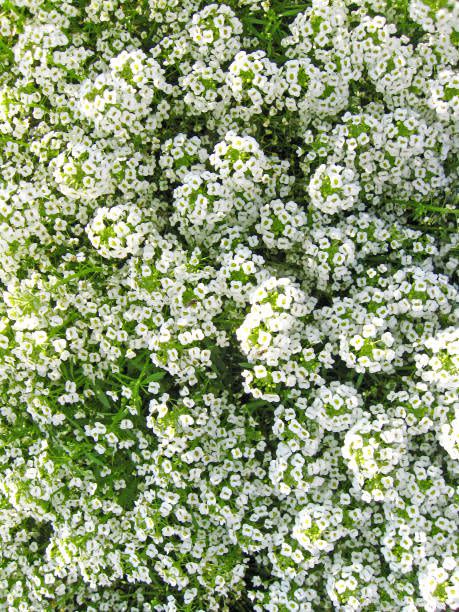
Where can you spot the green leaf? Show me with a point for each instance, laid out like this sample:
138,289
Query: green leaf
257,404
103,399
154,377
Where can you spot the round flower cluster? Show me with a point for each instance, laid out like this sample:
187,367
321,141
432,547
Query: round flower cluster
336,407
332,189
229,303
83,171
118,231
120,101
281,225
372,449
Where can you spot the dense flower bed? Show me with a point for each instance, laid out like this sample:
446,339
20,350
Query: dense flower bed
229,350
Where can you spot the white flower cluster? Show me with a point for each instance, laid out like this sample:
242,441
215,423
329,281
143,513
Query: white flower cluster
118,231
332,189
119,102
228,197
229,302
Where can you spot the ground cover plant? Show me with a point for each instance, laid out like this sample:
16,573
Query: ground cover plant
229,351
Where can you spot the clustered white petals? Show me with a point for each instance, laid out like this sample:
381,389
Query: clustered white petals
229,341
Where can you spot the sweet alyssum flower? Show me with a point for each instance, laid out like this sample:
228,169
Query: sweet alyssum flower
228,305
